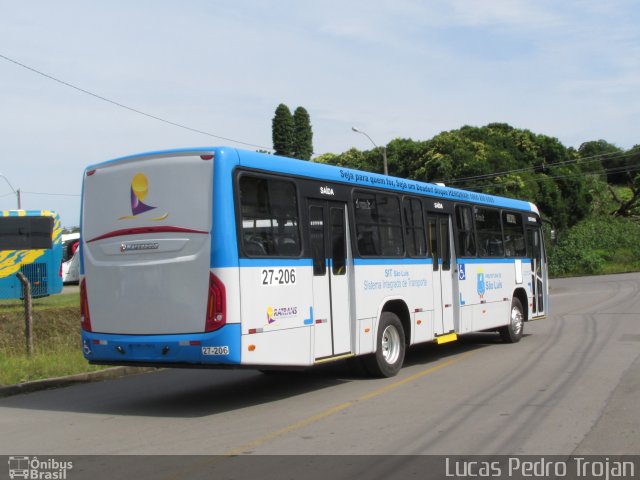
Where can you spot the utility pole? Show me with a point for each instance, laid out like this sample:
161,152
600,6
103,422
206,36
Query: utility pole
17,192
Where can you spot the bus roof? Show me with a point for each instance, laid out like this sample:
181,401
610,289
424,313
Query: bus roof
330,173
28,213
368,179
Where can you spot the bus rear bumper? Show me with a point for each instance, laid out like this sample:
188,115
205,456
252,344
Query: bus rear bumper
221,347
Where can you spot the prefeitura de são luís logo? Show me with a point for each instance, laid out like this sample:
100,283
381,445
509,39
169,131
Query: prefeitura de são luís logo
38,469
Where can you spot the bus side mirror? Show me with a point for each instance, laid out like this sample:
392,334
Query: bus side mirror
553,233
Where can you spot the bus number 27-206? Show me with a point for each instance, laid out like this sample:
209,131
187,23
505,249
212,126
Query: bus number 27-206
278,276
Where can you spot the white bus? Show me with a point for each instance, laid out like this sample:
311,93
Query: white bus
222,257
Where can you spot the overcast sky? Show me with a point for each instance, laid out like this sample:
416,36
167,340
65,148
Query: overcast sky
399,68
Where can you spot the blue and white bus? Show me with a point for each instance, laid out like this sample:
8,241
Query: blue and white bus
223,257
30,242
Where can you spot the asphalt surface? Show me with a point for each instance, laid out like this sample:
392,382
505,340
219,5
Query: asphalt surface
569,387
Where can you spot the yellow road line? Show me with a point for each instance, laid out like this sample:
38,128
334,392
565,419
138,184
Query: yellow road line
208,462
342,406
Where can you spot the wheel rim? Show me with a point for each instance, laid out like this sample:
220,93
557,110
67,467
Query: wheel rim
516,320
390,344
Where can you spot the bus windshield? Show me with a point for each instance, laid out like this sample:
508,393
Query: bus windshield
25,233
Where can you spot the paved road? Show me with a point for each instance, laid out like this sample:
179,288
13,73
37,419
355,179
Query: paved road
569,387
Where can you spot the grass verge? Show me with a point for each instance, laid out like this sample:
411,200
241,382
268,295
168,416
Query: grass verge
56,339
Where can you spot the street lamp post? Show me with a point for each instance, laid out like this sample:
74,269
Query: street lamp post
17,192
384,150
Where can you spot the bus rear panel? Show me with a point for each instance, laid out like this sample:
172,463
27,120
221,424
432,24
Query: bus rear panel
148,292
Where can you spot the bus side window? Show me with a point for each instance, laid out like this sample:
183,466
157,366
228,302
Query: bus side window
338,248
489,232
270,224
433,241
466,234
514,242
445,251
414,228
378,224
316,232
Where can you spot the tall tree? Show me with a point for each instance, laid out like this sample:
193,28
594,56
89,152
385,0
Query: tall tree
600,156
302,134
282,131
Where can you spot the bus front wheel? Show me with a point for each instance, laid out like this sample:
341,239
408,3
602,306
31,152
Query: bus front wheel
390,348
512,333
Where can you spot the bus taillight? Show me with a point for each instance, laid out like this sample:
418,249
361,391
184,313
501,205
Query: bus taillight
216,305
85,318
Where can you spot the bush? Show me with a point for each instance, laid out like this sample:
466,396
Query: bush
596,246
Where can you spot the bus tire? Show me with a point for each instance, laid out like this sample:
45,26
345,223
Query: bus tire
512,333
390,348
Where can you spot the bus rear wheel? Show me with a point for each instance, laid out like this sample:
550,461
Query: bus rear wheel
390,348
512,333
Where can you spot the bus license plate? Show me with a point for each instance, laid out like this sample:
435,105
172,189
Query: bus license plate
215,350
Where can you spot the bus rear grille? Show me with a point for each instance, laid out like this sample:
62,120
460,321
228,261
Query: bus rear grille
36,273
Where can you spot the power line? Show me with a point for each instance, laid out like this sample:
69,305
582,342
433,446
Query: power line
584,160
134,110
629,168
570,175
53,194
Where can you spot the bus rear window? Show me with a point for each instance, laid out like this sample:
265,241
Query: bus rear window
270,225
25,233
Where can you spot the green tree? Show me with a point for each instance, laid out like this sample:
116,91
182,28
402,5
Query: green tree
597,157
354,158
302,134
627,199
501,160
282,128
402,155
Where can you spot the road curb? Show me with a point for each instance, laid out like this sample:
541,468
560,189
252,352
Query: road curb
58,382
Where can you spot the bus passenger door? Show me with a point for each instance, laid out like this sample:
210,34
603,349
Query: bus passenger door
538,272
328,228
440,246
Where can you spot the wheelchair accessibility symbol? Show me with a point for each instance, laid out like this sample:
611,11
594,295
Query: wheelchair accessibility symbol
462,275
